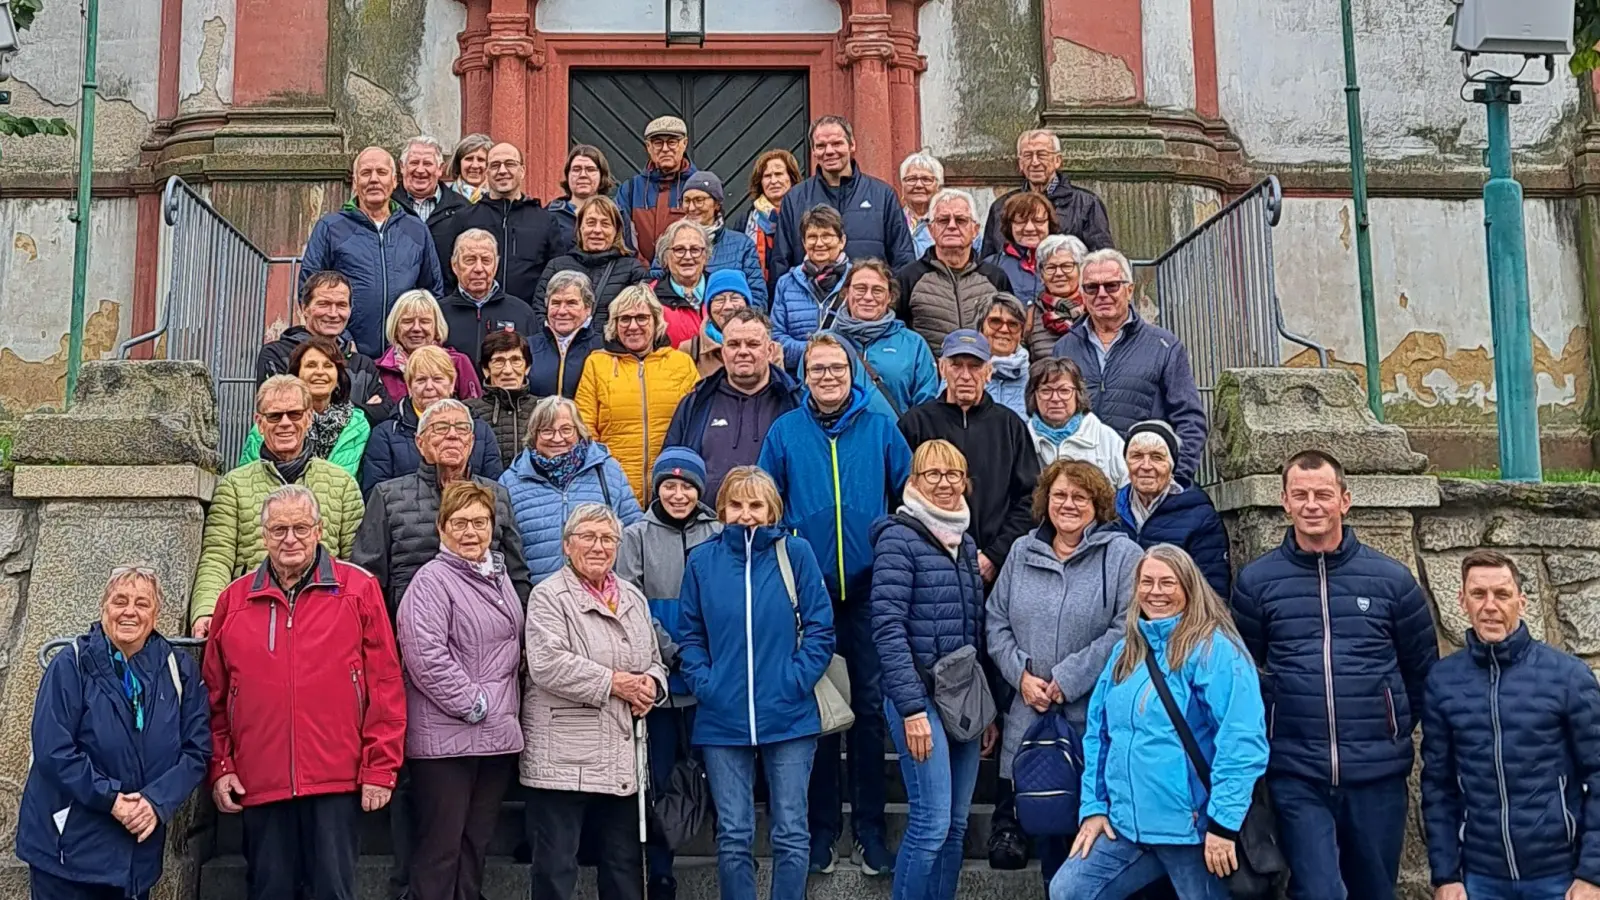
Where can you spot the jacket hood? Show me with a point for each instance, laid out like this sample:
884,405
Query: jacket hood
901,520
855,406
352,211
1157,632
1506,653
95,657
1086,437
1036,544
1349,545
778,380
763,536
595,260
523,468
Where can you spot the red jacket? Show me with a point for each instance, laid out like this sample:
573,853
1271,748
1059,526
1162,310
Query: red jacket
318,709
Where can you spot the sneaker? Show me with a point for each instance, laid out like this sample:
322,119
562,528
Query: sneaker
1008,850
873,856
823,857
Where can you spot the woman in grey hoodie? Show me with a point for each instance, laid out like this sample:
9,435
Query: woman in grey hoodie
1058,606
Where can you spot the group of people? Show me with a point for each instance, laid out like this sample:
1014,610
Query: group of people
566,514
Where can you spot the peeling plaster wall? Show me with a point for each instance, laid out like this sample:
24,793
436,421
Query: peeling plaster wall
376,60
1431,285
437,108
1168,36
205,55
982,86
635,16
1281,75
36,294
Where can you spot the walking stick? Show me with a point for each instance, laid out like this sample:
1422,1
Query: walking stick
641,769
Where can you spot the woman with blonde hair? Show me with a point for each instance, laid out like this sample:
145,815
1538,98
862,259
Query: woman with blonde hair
1158,817
469,166
392,447
630,389
416,321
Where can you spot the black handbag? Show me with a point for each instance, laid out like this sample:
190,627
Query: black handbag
1261,862
680,808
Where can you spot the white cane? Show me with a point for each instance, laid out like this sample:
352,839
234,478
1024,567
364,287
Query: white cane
641,771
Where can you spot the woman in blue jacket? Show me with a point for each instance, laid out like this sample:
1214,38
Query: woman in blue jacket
1145,812
1154,508
894,360
121,737
927,603
391,449
756,637
808,297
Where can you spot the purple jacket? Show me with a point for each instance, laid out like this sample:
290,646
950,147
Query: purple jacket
461,643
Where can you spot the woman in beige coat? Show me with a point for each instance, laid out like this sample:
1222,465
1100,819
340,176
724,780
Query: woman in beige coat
593,667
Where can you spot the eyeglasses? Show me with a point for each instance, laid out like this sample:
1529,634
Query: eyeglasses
507,362
997,323
940,476
947,221
919,179
565,433
443,428
1036,155
458,524
837,370
688,252
1109,287
698,202
1060,268
593,539
665,141
143,571
638,319
1057,393
301,532
274,418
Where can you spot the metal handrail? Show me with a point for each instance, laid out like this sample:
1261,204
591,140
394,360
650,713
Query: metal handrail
51,647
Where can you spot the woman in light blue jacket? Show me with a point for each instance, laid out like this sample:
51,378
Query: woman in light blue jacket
808,297
1146,813
895,361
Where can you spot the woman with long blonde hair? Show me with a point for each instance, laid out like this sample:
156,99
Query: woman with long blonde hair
1146,814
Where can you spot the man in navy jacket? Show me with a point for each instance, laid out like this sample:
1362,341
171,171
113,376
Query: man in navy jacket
1510,754
1345,639
874,225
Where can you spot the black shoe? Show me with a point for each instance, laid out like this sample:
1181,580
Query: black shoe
662,888
1008,850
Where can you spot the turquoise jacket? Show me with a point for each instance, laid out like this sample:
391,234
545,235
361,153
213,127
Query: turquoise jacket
347,450
904,365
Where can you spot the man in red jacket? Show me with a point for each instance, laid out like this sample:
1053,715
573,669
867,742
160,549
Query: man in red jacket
308,723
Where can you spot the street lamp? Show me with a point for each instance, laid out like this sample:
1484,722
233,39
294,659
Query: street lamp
1532,29
686,22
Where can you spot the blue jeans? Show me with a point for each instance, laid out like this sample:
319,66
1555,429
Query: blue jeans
1551,887
1116,869
852,626
731,772
1340,842
939,793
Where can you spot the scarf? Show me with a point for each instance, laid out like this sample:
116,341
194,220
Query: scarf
947,527
1058,313
560,470
766,212
823,279
607,592
1056,435
1142,512
826,420
326,427
289,470
668,519
487,567
864,333
692,296
131,688
1012,367
1023,255
473,194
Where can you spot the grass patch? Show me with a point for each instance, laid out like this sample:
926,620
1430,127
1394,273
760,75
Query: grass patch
1554,476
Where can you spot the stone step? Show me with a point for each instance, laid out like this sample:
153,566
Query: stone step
223,878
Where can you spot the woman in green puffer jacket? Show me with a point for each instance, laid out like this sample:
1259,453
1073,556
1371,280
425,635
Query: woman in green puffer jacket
338,433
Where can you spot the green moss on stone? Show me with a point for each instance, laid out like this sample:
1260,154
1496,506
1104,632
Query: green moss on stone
997,44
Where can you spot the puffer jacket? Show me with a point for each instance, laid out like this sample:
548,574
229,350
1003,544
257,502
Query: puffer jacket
798,308
1058,619
1186,520
540,509
392,373
445,208
1136,771
557,369
751,655
399,533
835,483
628,403
736,423
609,273
1079,212
460,635
232,543
1093,442
732,249
1018,264
936,300
1146,376
874,224
1345,640
577,736
366,388
86,750
1511,762
380,263
906,373
653,555
925,606
507,412
346,452
392,449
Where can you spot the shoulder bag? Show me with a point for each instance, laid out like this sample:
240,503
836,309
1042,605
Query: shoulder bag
833,690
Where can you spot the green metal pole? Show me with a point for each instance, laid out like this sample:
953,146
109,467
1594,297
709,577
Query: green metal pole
1516,403
80,243
1358,192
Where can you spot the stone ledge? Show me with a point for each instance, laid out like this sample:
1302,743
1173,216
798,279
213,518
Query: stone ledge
115,482
1379,491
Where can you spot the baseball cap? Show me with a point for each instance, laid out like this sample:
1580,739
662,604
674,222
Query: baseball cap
965,342
666,125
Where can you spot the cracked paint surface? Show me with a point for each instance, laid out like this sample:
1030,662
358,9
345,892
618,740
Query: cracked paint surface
205,74
983,83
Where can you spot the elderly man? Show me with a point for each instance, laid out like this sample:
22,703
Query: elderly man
944,290
421,169
874,225
324,307
232,541
288,753
653,199
380,248
479,305
1078,211
726,416
527,235
1135,371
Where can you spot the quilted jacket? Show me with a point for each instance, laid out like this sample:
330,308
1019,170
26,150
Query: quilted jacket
392,449
381,264
797,312
540,509
628,403
507,413
936,300
1186,520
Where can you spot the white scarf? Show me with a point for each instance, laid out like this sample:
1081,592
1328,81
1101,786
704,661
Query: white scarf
947,527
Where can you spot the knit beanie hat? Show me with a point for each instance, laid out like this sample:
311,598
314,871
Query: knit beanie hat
1161,430
681,463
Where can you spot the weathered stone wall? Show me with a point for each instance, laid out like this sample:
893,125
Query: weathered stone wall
19,532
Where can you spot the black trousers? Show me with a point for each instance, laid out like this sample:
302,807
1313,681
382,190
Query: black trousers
44,886
307,841
402,832
557,820
457,803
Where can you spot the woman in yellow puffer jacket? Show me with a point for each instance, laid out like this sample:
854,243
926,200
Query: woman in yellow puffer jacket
629,390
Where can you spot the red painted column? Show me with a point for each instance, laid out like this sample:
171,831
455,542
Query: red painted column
868,50
1081,38
271,66
472,67
907,69
1203,25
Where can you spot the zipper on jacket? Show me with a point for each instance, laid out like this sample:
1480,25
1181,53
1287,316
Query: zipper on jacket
838,513
1499,765
644,409
272,627
355,683
1327,667
1394,720
1566,814
383,266
233,700
749,641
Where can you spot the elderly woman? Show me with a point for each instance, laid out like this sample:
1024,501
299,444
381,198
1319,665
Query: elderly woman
1158,819
728,248
1155,508
1002,319
921,176
774,173
629,390
1059,261
506,403
757,636
562,468
927,603
1058,607
338,432
600,254
121,737
895,361
681,292
1063,426
392,448
586,174
460,631
808,298
1025,221
416,321
568,337
470,167
593,668
726,293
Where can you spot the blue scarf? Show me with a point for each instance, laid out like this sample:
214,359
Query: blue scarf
560,470
1057,435
131,688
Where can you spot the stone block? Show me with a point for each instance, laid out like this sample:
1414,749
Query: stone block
1441,573
1389,531
1514,528
1261,417
126,413
1572,567
1449,532
1578,613
1578,501
114,482
1385,491
13,531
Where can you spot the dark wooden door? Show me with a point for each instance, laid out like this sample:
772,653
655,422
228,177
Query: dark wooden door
733,117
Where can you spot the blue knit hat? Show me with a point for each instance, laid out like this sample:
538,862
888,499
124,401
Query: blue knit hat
724,280
681,463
